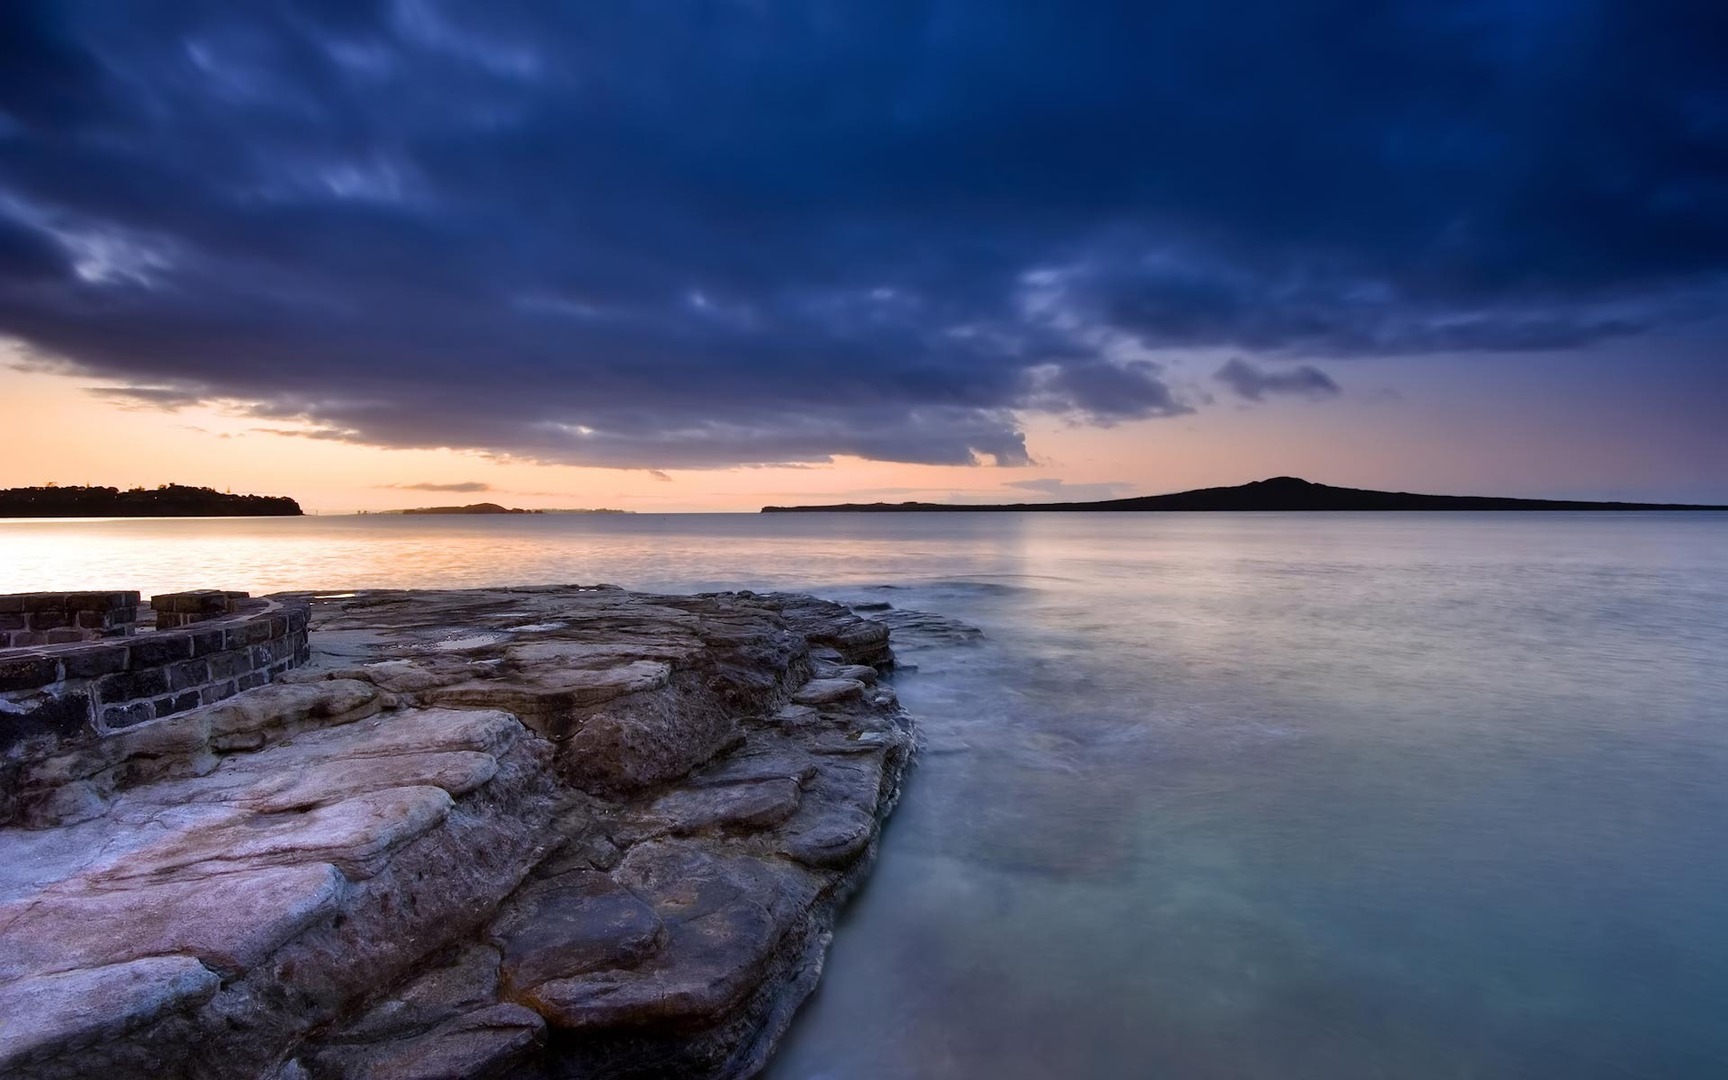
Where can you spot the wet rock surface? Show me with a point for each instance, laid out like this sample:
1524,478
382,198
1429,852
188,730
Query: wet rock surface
538,832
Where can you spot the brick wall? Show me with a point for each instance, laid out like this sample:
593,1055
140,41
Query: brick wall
30,619
56,696
201,605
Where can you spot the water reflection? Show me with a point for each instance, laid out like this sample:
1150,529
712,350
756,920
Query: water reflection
1211,796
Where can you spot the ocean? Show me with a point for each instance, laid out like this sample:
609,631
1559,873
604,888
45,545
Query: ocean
1200,796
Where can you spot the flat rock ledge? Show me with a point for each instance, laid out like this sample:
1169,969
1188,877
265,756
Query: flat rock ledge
541,832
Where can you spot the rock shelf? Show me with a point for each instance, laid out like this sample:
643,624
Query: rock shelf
547,832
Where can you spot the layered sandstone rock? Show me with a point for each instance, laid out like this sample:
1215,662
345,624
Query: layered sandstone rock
537,832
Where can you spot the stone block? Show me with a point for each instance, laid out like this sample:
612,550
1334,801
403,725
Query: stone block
298,618
130,685
98,620
94,661
170,704
44,602
49,620
207,642
115,717
230,665
22,639
252,632
177,602
251,680
151,649
188,674
66,635
27,672
102,601
215,692
13,620
12,603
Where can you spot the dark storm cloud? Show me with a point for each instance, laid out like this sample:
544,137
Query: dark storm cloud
1255,383
776,232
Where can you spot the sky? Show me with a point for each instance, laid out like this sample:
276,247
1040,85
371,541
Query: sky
711,255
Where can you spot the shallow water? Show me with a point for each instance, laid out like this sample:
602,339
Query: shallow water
1232,796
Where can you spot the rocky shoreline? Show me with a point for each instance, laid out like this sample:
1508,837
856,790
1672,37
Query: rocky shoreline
542,832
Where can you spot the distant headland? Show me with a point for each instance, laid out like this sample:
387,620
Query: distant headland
1277,493
169,500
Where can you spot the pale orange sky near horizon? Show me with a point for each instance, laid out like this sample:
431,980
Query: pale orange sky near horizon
1370,437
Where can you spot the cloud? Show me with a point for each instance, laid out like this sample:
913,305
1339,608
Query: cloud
660,474
166,398
1255,383
782,232
1064,491
464,487
1106,393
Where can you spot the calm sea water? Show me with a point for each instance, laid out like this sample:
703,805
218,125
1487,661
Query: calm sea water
1208,796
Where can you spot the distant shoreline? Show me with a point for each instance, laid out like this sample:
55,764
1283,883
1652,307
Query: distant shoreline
167,501
483,508
1278,494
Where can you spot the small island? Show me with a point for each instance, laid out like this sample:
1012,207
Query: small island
494,508
471,508
168,500
1285,493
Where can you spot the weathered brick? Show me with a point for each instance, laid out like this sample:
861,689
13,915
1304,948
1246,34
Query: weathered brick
115,717
66,635
251,680
12,603
27,672
217,691
97,660
210,641
229,665
298,617
188,674
101,601
251,632
49,620
129,685
12,620
44,601
160,649
26,638
176,703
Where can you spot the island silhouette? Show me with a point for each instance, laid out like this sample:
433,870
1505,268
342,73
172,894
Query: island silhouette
471,508
1277,493
168,500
